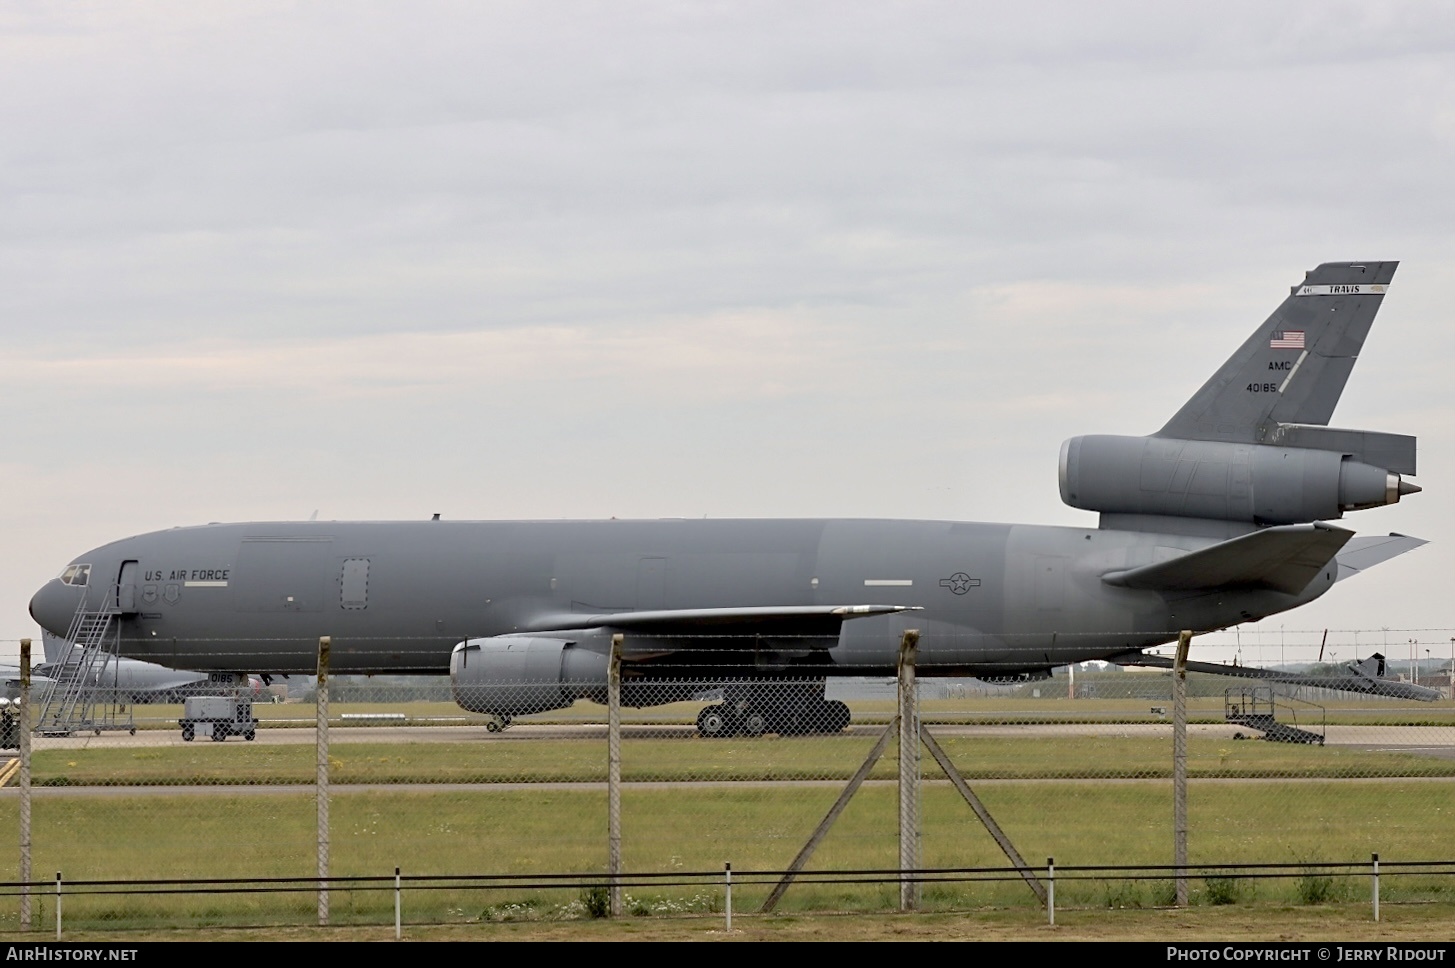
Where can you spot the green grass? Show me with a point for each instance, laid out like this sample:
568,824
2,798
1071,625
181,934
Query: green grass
694,829
764,758
1108,803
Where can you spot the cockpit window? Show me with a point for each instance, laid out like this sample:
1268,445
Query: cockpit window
76,575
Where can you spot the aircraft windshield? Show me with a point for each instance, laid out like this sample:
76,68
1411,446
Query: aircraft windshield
76,575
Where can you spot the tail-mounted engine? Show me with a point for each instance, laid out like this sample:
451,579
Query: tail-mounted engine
1322,474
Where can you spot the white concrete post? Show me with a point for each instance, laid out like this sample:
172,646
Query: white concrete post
908,774
1179,766
1051,890
1374,860
24,737
321,783
613,773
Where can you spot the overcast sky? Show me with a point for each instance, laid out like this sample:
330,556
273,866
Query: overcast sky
548,260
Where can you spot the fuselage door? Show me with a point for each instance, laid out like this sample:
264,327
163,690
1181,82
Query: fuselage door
354,584
126,587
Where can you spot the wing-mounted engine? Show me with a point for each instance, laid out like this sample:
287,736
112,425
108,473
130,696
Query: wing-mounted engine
565,657
1256,484
515,675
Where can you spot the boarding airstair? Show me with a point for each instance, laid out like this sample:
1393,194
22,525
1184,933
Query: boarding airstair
1255,708
78,698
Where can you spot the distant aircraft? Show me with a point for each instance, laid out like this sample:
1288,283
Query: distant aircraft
10,683
1218,518
1367,676
130,680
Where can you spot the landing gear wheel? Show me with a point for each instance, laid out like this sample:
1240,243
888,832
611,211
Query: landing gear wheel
714,722
133,730
492,725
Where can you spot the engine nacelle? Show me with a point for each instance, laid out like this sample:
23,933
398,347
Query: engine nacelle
1256,483
513,675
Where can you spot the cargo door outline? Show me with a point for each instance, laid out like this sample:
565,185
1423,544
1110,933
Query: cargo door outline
126,587
354,584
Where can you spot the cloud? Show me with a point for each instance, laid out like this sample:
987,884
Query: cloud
833,258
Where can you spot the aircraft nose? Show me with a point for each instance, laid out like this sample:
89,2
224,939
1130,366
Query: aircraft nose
54,605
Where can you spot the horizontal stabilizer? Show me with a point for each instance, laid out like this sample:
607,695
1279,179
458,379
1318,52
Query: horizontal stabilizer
1285,559
1393,452
1356,677
1366,551
755,620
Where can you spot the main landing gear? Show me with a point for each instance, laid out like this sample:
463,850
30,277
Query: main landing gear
753,712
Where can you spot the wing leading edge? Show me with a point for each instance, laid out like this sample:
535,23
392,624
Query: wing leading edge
752,620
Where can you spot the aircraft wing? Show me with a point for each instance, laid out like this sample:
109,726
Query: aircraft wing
754,620
1366,551
1284,558
1354,678
10,682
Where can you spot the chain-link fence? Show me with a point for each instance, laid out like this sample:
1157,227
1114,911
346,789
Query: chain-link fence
445,777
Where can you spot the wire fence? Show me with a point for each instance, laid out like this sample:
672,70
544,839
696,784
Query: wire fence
720,893
485,788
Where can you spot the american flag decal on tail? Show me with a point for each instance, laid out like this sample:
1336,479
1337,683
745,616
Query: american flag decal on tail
1289,339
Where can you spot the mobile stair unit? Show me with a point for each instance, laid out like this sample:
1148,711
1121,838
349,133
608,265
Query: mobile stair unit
79,699
1255,708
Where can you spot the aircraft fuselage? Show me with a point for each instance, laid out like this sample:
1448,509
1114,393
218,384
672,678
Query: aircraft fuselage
989,599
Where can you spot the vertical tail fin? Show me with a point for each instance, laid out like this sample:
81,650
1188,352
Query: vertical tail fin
54,647
1293,368
1253,446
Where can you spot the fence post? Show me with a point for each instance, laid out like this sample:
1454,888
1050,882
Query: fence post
58,905
728,873
321,782
24,784
1179,765
1374,861
613,773
398,904
908,775
1051,890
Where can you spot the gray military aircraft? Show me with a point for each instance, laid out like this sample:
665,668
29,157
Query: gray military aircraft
1218,518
